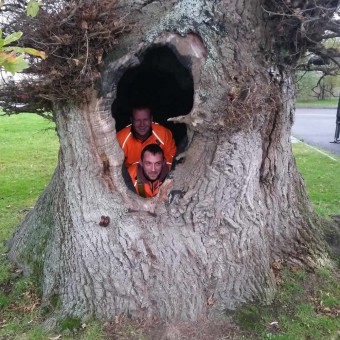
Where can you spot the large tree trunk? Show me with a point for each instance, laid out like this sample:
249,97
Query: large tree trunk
237,202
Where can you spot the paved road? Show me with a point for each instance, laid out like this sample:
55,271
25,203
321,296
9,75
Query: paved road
316,127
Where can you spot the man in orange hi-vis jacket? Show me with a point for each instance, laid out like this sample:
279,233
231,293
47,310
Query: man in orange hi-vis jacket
149,174
142,132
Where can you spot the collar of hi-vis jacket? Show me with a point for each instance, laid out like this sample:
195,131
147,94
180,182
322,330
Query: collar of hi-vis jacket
161,178
152,132
133,132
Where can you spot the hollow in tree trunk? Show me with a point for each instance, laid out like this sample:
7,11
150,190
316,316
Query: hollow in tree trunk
235,204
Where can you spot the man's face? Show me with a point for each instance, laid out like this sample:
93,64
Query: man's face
141,122
152,165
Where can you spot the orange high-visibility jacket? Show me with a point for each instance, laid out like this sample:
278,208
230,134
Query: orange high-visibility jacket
133,147
142,185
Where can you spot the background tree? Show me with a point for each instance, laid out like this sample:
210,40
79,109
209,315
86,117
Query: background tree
324,88
318,74
235,208
315,85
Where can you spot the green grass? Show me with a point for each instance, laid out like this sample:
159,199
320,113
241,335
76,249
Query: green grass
28,156
299,310
318,103
321,175
307,304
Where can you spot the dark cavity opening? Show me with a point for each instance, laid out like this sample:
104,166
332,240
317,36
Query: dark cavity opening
161,82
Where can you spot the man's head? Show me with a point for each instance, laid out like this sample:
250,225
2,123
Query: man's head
152,161
141,119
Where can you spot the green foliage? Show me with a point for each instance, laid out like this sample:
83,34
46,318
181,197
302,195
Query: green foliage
9,59
28,50
33,8
12,63
10,38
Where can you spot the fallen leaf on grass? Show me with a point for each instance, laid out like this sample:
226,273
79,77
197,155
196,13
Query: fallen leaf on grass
327,311
32,306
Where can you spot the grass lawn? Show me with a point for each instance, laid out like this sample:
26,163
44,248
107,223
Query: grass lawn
321,175
28,156
307,305
318,103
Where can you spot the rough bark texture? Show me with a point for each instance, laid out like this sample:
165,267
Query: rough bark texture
237,203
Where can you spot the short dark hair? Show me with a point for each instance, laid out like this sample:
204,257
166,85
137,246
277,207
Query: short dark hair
153,148
140,106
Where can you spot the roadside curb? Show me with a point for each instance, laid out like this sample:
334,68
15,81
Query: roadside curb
295,140
315,107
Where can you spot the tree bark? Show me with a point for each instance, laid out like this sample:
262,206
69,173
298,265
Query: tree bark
235,206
